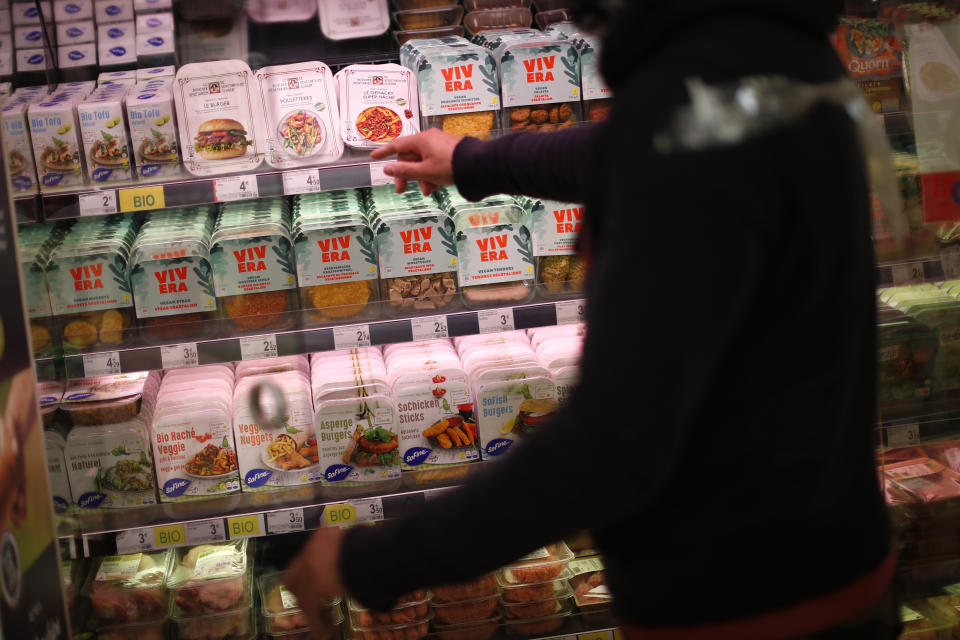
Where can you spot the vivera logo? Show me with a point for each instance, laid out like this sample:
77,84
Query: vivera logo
416,240
337,472
334,249
568,220
483,219
540,69
257,477
251,259
175,487
458,78
493,248
172,280
87,277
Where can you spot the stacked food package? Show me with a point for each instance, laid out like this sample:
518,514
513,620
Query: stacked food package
128,595
467,611
282,617
535,594
409,619
488,15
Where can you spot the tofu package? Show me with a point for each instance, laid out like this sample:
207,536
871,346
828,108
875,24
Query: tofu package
121,52
20,167
154,22
105,11
149,73
55,133
220,117
69,33
24,13
378,103
303,119
145,6
127,78
156,48
153,128
69,10
106,145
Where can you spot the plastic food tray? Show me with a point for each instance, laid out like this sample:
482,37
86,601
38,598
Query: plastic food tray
459,612
532,591
479,630
539,567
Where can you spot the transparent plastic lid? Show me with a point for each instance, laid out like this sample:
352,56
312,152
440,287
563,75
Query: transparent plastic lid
208,563
130,572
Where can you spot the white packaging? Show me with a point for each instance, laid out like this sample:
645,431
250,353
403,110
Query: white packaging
6,43
105,143
344,19
122,51
112,11
6,63
31,60
433,431
199,43
378,103
213,99
28,37
85,87
26,12
153,130
21,169
100,460
57,472
303,121
66,10
149,73
142,6
5,88
5,24
76,32
121,77
507,411
154,22
116,32
55,134
156,45
343,425
77,55
281,10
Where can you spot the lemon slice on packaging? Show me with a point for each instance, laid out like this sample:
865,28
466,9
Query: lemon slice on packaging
507,426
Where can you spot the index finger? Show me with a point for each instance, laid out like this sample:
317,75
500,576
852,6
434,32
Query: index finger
400,145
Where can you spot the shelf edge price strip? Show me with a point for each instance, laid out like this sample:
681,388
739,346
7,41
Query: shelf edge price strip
246,526
201,531
148,538
903,435
570,312
429,327
910,273
179,355
236,188
351,336
495,320
345,514
301,181
257,347
98,203
104,363
285,521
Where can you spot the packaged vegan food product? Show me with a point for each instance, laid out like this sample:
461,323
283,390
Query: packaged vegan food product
555,227
459,612
129,588
220,117
407,610
35,243
210,578
140,631
540,81
868,48
55,133
276,457
404,37
538,626
153,129
906,356
104,131
559,599
511,18
303,118
485,586
934,68
253,272
357,440
236,624
589,584
418,261
436,425
477,630
546,563
925,479
378,104
494,255
404,631
20,166
281,611
597,94
110,466
57,471
346,19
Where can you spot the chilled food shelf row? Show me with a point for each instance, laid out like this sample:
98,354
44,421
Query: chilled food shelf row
175,355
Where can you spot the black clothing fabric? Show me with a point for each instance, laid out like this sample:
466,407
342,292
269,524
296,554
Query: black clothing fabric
719,443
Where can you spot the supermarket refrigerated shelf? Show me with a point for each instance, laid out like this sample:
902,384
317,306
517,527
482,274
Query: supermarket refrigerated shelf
302,341
910,271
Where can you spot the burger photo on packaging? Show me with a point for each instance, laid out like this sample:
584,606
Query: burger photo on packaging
221,139
533,413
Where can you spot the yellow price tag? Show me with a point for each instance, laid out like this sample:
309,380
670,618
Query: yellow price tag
338,515
245,526
169,536
617,634
141,198
595,635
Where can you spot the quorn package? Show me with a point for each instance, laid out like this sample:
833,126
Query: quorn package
378,104
220,117
104,130
346,19
153,128
540,81
303,118
868,48
459,90
555,227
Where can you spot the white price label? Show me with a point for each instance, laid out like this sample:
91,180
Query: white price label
105,363
285,521
301,181
495,320
235,188
907,273
177,356
370,510
206,531
570,312
351,336
377,176
256,347
903,435
429,327
134,540
98,204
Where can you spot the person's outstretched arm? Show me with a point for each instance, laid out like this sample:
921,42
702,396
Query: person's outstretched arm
539,165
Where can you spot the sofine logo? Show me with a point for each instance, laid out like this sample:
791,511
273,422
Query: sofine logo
155,41
76,55
91,500
31,12
175,487
101,174
72,8
416,456
118,51
33,36
114,33
148,170
257,477
36,58
155,71
337,472
154,22
74,32
498,446
113,10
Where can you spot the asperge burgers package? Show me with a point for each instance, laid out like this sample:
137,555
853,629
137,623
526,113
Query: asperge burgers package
378,104
303,118
220,117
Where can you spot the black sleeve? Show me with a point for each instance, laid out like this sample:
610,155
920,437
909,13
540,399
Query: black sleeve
619,439
539,165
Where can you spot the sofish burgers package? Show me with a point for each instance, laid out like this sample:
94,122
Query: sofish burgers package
303,119
378,103
220,117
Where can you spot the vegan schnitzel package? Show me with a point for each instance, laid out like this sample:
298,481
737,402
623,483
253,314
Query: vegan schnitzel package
378,104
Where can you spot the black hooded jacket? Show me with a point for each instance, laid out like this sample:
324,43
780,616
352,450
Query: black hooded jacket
719,444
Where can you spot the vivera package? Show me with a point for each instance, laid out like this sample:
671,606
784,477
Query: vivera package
555,227
104,131
303,118
220,117
378,103
357,440
541,84
153,129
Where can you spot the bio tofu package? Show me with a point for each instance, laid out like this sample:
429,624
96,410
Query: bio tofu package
153,129
303,119
220,117
76,32
378,103
21,171
56,140
105,143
